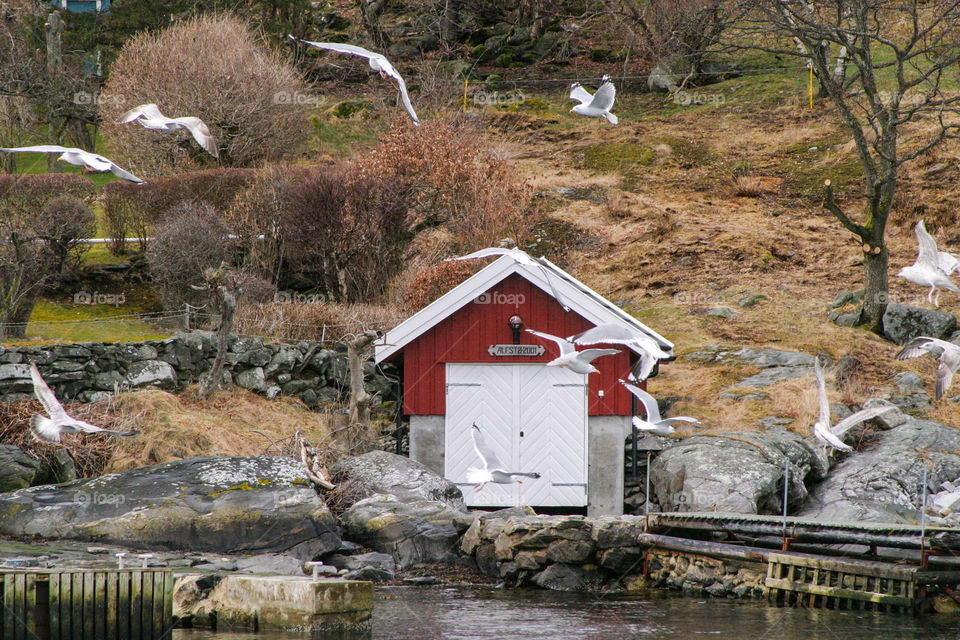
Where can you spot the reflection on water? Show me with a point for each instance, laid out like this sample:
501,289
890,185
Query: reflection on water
478,613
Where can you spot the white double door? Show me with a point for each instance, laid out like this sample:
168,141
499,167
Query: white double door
534,417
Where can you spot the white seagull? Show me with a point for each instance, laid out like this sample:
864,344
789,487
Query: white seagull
947,353
149,116
611,333
59,422
822,430
576,361
652,422
493,470
519,256
596,105
377,62
79,158
928,269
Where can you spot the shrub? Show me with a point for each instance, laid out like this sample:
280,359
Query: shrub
189,240
63,223
432,282
215,68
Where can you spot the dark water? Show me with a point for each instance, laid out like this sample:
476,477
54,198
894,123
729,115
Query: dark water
474,613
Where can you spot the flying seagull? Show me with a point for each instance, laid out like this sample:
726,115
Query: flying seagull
519,256
79,158
947,353
927,269
149,116
822,430
377,62
493,470
653,422
611,333
576,361
59,422
596,105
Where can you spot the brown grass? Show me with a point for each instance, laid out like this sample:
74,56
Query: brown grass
312,319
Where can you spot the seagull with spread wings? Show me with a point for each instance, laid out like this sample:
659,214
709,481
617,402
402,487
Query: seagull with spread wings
79,158
928,270
596,105
493,470
149,117
519,256
946,353
652,421
50,429
830,436
378,63
576,361
611,333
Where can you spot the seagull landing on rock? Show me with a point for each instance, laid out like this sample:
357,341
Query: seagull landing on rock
149,116
576,361
519,256
650,351
653,422
377,62
79,158
830,436
596,105
59,422
493,470
947,353
928,270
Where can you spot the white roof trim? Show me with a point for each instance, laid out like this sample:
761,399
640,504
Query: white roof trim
578,296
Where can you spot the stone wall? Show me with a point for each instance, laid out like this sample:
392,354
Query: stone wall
91,371
574,553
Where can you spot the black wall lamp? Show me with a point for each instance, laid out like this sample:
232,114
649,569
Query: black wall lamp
516,325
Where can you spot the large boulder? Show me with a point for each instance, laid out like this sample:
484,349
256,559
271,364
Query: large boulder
740,473
17,468
224,504
902,323
406,480
412,532
883,483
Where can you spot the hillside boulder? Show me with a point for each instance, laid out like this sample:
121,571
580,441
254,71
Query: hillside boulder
902,323
381,472
17,468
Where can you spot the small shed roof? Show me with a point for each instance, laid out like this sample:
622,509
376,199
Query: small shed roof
578,296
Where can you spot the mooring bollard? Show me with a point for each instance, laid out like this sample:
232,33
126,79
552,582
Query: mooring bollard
315,568
120,556
145,559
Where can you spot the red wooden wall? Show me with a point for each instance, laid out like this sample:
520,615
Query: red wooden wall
466,335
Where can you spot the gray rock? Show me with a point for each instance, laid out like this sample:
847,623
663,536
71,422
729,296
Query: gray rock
882,484
848,320
155,373
412,532
57,469
663,77
17,468
740,473
252,379
902,323
275,564
371,574
562,577
372,559
844,298
722,312
225,504
379,472
751,300
908,381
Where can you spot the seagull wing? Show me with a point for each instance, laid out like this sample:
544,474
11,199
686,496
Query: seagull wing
489,457
405,97
589,355
603,98
565,346
578,93
613,333
345,48
149,111
650,406
483,253
923,344
200,132
46,397
680,419
821,393
126,175
947,262
856,418
927,254
42,148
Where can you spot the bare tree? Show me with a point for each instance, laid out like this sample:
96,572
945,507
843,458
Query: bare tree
370,12
899,52
224,283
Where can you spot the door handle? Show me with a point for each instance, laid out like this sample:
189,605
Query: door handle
521,434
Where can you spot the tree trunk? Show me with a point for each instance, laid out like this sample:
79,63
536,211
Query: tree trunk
876,289
226,291
449,23
359,398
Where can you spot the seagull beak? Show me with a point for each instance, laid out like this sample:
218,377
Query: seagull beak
59,159
519,481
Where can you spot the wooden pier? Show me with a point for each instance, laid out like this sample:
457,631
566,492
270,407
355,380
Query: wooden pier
817,564
86,604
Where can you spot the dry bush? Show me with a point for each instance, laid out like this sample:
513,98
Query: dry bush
215,68
432,282
188,241
130,209
312,321
28,192
452,180
748,186
63,223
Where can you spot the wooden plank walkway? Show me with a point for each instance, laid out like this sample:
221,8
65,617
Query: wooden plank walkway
86,604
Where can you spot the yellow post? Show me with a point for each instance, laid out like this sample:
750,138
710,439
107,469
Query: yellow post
465,83
810,66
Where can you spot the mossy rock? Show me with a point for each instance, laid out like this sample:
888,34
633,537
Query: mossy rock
503,60
600,54
616,156
518,36
349,108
